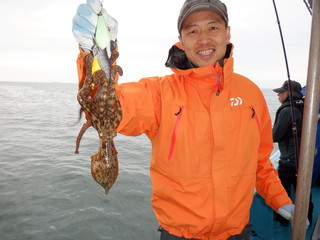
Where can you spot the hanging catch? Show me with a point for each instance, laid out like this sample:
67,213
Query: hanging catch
99,101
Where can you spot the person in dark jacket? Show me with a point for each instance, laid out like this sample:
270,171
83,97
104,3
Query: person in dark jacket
283,134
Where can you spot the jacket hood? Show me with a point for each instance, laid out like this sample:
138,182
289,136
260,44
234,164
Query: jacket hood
177,57
296,96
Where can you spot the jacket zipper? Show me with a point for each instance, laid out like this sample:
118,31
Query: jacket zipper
219,85
253,116
175,130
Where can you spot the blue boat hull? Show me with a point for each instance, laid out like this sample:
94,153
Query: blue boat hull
262,217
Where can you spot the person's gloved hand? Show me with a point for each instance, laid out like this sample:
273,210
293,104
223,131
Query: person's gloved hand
287,211
85,21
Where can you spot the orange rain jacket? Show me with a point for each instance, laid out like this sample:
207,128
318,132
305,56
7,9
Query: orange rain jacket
211,138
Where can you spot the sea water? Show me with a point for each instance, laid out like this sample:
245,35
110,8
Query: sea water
47,192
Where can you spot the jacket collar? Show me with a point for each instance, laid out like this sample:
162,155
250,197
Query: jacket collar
177,58
179,63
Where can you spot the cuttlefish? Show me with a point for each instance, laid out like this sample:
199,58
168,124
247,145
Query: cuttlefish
98,99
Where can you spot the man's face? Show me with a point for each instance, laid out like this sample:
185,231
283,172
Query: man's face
204,37
282,96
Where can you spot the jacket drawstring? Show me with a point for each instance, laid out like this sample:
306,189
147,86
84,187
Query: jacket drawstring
175,130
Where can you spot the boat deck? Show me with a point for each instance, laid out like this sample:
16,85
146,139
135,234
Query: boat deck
264,227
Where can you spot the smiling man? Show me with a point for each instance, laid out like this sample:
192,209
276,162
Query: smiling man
209,127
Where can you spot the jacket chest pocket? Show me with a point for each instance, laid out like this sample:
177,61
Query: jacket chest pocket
243,132
243,122
175,130
184,143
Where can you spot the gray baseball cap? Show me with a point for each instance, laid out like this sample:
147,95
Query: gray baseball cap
191,6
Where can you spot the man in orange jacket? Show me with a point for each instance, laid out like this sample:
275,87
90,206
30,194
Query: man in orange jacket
209,127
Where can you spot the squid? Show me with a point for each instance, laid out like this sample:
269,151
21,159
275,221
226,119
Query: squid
98,99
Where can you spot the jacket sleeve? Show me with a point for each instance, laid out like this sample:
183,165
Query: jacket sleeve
81,67
141,107
268,184
282,125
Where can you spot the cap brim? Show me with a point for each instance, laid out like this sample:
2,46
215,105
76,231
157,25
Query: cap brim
279,90
201,7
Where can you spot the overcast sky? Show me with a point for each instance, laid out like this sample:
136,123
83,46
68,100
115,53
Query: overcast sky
37,44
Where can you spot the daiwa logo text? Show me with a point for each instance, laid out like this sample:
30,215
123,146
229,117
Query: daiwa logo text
236,101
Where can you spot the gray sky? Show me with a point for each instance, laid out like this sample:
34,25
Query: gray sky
37,44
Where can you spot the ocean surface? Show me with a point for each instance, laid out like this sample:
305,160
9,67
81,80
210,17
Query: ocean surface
47,192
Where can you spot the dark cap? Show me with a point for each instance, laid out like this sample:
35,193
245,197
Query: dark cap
295,87
191,6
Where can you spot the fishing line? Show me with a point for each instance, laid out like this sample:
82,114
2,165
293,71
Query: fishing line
308,5
293,117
